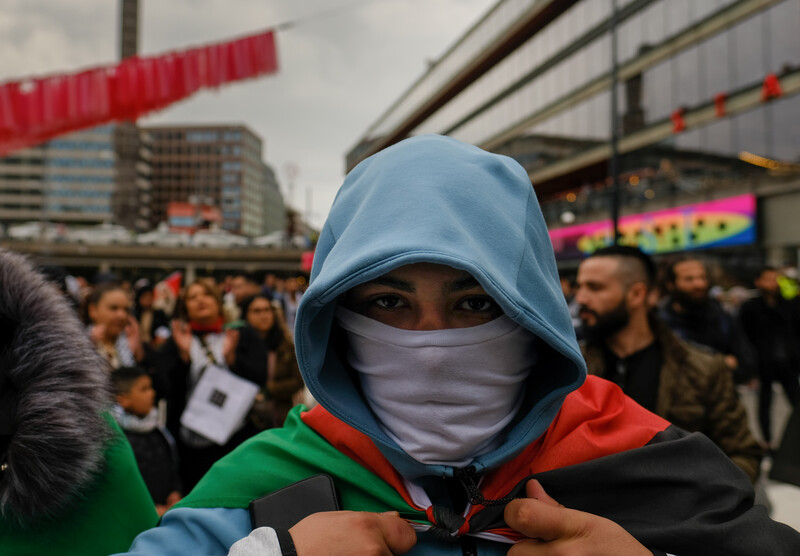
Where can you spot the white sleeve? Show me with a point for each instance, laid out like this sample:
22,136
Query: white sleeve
260,542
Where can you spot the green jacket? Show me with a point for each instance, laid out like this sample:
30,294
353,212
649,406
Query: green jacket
696,393
103,518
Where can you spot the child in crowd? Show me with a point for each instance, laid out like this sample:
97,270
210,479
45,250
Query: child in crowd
152,444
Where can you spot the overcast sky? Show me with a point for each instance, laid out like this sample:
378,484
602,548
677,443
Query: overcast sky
337,74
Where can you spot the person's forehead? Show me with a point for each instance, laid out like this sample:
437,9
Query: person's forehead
410,277
197,289
114,296
599,269
428,272
687,268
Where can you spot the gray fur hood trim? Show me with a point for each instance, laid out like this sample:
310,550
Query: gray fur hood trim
59,432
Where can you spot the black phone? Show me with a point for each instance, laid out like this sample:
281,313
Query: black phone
283,508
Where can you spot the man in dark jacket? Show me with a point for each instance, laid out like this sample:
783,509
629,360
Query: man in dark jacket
771,324
627,344
695,316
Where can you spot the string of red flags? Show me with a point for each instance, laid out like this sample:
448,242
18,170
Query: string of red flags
770,90
35,110
720,109
678,123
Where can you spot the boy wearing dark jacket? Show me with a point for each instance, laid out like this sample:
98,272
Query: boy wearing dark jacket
152,444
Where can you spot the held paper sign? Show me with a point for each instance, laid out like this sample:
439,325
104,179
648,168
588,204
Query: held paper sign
218,404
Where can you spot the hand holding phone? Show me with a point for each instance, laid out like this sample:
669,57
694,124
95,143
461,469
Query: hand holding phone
284,508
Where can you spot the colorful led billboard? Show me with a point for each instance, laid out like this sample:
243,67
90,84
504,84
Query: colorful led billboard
720,223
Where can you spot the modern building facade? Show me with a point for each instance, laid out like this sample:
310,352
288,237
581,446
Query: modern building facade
217,165
707,108
274,209
69,180
75,180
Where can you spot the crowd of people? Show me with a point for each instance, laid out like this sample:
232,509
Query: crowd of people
158,342
457,413
664,331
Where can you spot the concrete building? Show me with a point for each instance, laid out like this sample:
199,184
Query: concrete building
217,165
707,108
74,180
131,199
274,209
69,180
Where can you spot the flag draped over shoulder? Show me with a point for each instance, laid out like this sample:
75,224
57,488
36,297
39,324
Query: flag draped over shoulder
35,110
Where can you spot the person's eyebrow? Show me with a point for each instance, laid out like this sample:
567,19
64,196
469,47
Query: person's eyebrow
467,283
391,282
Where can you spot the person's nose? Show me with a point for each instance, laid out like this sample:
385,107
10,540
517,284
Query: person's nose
430,318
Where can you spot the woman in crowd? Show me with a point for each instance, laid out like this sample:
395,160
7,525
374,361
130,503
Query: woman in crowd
290,301
153,322
198,342
113,330
283,375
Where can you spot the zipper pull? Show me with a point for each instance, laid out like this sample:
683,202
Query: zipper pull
467,478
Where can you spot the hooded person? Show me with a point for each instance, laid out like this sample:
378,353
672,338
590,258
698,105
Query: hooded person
68,479
436,338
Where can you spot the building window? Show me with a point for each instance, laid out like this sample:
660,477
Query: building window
202,136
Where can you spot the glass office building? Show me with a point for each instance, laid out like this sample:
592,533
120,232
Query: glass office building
707,108
220,165
70,180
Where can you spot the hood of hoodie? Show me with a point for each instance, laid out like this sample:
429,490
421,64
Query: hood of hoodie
434,199
53,389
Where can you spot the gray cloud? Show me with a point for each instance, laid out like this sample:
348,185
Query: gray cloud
337,74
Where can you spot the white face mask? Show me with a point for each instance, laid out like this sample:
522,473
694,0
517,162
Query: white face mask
443,395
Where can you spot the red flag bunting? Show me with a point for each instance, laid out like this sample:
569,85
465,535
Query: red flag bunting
719,104
678,123
35,110
771,87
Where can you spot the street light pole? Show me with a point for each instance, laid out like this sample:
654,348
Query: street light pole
614,161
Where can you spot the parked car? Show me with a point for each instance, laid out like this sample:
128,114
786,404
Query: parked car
217,238
300,242
104,234
35,230
273,239
163,237
278,240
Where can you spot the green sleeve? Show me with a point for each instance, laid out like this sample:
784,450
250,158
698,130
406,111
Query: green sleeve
279,457
103,518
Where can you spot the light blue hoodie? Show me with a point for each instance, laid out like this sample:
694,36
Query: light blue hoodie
427,199
435,199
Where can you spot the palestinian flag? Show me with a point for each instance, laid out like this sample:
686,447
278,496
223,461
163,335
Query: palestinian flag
675,492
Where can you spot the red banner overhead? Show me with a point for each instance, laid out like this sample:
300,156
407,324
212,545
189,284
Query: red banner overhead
35,110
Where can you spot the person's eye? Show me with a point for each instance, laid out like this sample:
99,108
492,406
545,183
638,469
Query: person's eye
387,302
479,304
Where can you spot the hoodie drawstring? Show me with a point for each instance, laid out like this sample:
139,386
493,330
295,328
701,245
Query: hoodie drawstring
467,477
